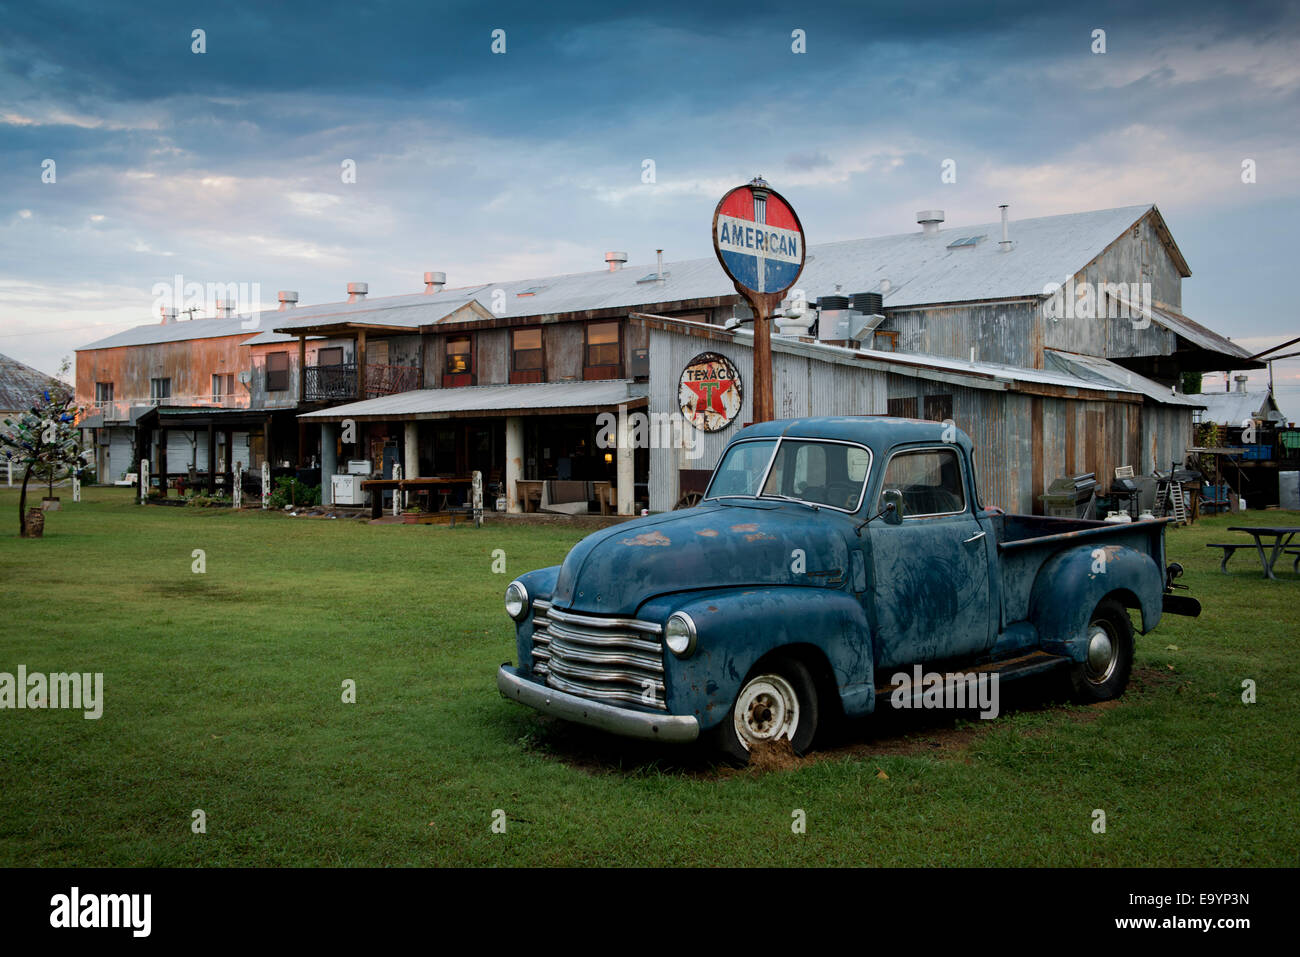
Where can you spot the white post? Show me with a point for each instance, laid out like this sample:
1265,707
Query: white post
478,499
266,484
76,487
411,456
144,481
514,461
237,493
397,497
623,456
10,463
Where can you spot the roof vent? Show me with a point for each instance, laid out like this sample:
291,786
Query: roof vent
434,281
1005,244
288,299
930,220
615,261
168,315
223,309
357,291
1241,381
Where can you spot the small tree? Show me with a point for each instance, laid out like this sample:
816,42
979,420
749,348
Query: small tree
43,441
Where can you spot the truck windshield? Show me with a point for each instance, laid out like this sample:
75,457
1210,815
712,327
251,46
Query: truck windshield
808,470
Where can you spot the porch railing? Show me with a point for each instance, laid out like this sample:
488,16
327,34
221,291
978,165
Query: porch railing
339,382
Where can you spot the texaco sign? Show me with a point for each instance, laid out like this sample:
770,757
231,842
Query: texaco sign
710,392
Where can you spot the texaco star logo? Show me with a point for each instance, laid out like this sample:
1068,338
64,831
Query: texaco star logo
710,392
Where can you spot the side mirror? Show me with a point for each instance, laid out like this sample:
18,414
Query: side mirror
891,505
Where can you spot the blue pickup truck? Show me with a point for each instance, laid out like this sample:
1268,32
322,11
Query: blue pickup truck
827,556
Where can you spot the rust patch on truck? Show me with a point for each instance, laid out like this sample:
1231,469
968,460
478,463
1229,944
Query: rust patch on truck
651,538
708,532
745,527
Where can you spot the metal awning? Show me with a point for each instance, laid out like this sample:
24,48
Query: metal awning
566,398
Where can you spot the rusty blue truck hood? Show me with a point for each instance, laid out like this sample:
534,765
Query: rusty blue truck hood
616,570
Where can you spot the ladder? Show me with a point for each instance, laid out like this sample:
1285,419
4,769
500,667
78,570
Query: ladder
1171,492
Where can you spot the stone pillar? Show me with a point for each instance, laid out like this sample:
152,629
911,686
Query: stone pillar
328,462
514,461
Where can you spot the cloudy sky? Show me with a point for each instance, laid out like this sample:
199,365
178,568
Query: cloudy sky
227,165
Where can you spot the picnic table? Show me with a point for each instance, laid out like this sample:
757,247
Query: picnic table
1281,536
425,485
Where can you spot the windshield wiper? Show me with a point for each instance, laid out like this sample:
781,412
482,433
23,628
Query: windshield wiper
791,498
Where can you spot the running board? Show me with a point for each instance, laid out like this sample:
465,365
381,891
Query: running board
1022,666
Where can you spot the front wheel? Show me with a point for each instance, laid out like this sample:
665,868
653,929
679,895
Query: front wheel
777,702
1104,672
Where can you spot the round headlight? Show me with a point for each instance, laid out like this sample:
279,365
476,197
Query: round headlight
679,634
516,601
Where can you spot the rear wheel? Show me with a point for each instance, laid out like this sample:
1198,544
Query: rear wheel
1104,672
777,702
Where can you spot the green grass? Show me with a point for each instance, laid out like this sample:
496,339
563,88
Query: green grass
222,692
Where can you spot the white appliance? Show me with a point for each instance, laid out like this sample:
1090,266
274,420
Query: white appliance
359,467
348,491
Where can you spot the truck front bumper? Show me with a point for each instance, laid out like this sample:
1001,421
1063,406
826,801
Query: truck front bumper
570,707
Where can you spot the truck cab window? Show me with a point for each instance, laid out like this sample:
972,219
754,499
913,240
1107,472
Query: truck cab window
930,480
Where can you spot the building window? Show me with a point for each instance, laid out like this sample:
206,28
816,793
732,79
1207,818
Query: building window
526,350
223,386
938,408
459,353
602,344
884,340
903,408
332,356
160,389
277,372
103,394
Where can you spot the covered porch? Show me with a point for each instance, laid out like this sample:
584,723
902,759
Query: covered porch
529,441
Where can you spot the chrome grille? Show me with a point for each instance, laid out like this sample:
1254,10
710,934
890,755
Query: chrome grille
606,659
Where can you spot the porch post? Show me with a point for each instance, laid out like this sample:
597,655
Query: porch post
411,455
623,456
328,462
514,461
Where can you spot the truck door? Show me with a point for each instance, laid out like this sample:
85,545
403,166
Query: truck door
929,581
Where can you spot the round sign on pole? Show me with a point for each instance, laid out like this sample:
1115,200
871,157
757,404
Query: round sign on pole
759,242
759,239
710,392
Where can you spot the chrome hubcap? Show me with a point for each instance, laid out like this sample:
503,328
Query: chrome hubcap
1101,654
767,709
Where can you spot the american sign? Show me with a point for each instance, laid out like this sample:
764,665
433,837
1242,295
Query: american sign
759,239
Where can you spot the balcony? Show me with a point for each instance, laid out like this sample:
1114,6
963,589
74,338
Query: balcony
338,383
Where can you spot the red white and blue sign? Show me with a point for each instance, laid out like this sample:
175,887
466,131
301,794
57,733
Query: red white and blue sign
759,239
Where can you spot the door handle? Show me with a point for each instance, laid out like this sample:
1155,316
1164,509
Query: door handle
974,538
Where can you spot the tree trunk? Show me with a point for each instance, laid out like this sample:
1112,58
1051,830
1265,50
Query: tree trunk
22,503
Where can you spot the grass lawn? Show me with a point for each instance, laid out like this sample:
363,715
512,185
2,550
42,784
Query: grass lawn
223,693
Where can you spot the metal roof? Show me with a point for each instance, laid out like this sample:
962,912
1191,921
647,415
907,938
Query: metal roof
184,330
1233,408
1112,375
920,269
1109,377
21,385
539,397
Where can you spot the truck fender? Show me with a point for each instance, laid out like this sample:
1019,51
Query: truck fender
736,628
1072,582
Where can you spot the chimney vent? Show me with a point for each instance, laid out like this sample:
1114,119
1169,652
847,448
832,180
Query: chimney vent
615,261
1241,381
659,270
357,291
288,299
433,282
224,309
930,220
1005,245
168,315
